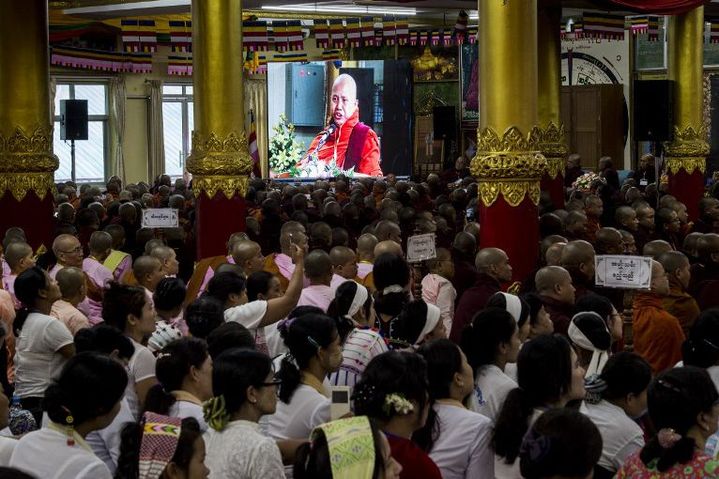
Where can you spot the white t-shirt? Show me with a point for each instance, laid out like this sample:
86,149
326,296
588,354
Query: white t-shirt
105,443
239,451
7,446
621,436
250,316
462,449
45,454
296,420
37,360
502,470
491,387
183,409
140,367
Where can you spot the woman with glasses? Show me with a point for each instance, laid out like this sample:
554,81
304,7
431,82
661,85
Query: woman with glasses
244,390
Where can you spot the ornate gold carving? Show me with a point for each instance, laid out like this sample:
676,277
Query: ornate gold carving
228,185
688,164
553,145
220,164
26,163
510,165
688,142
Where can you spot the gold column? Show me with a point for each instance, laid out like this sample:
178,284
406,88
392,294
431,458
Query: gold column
553,143
508,161
26,159
220,159
689,148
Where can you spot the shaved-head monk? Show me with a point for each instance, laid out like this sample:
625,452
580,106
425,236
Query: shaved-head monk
678,301
365,254
248,255
555,289
705,274
578,259
205,269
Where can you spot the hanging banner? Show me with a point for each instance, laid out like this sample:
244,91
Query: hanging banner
368,32
279,31
389,30
337,33
354,34
180,36
603,25
322,34
295,38
254,36
402,32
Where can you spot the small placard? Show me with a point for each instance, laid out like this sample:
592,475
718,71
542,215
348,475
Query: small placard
421,247
630,272
160,218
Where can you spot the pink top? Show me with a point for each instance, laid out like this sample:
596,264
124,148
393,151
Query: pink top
69,315
363,269
124,266
208,276
287,267
101,276
439,291
317,295
53,272
8,284
6,271
337,280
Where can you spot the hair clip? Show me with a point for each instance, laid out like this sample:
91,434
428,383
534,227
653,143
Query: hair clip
313,342
669,386
69,428
667,437
163,355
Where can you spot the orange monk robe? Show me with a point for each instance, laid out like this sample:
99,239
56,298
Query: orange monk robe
198,276
658,337
682,306
271,267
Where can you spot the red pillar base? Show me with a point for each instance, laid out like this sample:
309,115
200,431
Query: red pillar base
514,230
33,214
217,218
689,189
555,188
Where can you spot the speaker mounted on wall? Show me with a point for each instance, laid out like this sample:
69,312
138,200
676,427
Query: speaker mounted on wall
653,110
73,120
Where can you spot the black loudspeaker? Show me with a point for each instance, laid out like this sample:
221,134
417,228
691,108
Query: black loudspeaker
73,119
653,110
444,125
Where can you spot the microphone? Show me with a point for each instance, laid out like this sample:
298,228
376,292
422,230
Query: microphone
331,128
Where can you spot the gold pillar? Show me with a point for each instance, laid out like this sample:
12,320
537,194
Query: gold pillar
26,159
689,148
220,159
553,143
686,153
508,161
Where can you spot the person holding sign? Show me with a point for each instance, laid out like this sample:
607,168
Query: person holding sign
658,337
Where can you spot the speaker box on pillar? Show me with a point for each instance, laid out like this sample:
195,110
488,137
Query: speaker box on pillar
73,119
653,110
444,124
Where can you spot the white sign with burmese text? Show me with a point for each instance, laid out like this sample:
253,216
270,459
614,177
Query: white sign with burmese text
421,247
630,272
160,218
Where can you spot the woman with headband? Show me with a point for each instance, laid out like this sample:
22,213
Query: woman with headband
418,323
353,309
162,447
589,334
683,408
352,448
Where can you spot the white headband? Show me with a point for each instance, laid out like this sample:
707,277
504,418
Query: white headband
358,301
431,323
599,357
394,288
514,306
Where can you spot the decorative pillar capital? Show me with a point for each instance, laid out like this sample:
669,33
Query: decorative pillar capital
688,150
27,163
553,145
220,163
510,164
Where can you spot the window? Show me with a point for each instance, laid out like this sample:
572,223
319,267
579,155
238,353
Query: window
91,154
178,122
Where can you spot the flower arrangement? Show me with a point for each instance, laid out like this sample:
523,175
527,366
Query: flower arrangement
586,182
397,403
285,150
315,168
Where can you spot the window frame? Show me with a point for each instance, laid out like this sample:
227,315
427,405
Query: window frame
186,101
72,82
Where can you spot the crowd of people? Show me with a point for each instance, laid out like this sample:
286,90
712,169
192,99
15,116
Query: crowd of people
126,356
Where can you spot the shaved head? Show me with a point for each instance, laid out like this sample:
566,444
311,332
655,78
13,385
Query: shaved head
71,281
673,260
144,266
244,250
577,252
340,255
15,252
550,276
388,246
318,266
100,242
365,246
343,101
118,235
465,243
488,257
609,241
708,246
553,255
656,248
162,252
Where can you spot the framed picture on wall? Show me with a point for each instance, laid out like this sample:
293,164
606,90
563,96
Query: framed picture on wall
469,82
427,151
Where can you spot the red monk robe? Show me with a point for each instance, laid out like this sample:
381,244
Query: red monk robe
367,157
658,337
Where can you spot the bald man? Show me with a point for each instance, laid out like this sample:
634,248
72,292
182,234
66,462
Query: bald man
609,241
280,264
344,265
678,301
248,255
578,259
68,252
705,274
72,288
656,248
658,336
206,268
554,285
346,140
493,269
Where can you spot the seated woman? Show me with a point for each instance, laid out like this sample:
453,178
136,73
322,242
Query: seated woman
353,447
591,339
419,322
315,352
549,376
683,407
621,398
353,309
457,439
245,389
391,278
491,341
184,375
562,444
173,450
393,392
59,450
539,320
128,309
